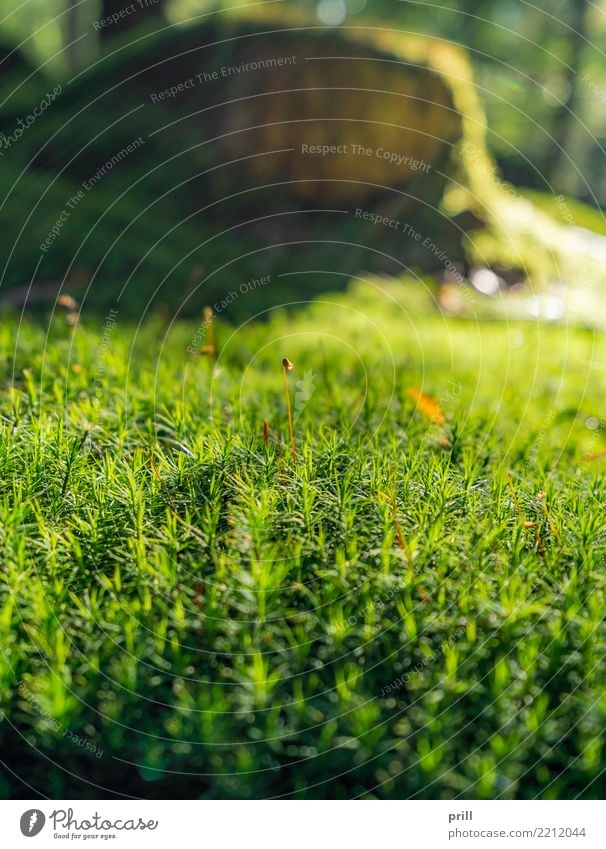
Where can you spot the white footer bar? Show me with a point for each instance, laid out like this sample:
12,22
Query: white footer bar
303,825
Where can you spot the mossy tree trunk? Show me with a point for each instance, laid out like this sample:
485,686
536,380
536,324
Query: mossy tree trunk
131,15
565,116
261,147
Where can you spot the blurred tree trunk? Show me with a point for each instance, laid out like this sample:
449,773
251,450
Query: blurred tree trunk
565,115
72,32
134,12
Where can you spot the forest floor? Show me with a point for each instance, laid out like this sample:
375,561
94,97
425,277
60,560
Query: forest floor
409,605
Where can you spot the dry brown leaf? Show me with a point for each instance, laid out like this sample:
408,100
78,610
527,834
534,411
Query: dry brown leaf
423,595
589,458
428,406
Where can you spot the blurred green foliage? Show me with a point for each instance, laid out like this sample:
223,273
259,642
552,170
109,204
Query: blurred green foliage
529,68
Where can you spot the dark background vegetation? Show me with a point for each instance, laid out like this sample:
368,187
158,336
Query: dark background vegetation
529,60
156,225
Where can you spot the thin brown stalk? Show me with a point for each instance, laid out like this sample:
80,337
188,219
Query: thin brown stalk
211,346
288,366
